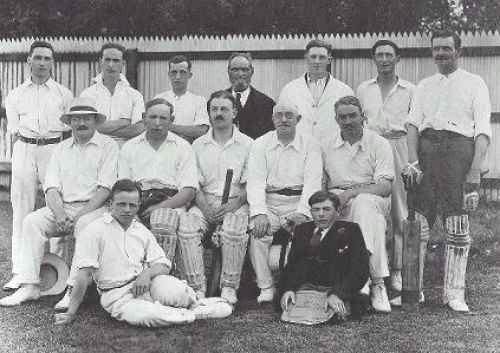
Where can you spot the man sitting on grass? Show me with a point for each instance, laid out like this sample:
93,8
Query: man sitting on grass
131,270
328,260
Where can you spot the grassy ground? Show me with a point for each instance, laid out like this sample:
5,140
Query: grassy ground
254,328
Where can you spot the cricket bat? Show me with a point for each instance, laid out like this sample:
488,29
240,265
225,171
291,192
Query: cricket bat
216,268
411,255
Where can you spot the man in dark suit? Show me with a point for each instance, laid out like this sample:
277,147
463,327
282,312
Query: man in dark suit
254,107
327,256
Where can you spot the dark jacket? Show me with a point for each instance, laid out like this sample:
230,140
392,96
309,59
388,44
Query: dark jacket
255,119
341,262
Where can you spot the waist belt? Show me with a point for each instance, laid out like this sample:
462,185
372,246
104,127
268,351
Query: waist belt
42,141
285,192
393,134
442,135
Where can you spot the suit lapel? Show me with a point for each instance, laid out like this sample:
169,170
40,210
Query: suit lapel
329,92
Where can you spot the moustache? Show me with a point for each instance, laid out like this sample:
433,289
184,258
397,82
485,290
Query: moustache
81,128
219,117
441,57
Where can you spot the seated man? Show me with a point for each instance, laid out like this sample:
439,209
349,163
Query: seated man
327,256
223,148
80,174
284,169
131,270
359,167
165,166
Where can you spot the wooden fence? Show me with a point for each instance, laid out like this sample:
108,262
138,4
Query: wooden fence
277,60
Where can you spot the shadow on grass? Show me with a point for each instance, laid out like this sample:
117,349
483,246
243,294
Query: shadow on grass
255,328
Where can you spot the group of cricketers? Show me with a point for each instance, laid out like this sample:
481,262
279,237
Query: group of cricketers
144,188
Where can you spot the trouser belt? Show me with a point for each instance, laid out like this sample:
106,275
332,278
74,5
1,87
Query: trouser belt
42,141
285,192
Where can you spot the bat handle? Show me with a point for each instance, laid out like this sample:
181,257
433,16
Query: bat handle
227,186
410,200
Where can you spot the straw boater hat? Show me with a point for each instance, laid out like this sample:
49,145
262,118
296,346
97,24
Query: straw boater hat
82,106
53,275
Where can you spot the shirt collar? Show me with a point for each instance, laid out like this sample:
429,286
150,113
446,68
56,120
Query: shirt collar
95,140
455,73
50,83
209,138
338,141
321,81
244,94
171,137
98,79
297,142
400,82
108,219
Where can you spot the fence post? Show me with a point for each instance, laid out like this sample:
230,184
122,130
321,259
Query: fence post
132,60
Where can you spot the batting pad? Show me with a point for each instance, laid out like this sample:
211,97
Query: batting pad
171,291
164,223
191,251
234,248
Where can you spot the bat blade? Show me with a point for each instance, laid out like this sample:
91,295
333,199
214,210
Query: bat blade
411,262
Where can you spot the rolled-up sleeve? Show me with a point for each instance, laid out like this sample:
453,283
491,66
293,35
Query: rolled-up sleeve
124,162
155,254
201,114
53,173
256,180
137,107
416,114
12,111
481,110
87,248
313,176
108,169
187,172
384,162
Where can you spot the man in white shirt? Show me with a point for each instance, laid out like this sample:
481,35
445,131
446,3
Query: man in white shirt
224,147
191,118
386,103
80,174
359,167
33,111
131,270
284,170
122,104
449,132
315,92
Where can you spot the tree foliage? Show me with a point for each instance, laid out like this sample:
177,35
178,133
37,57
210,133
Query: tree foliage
218,17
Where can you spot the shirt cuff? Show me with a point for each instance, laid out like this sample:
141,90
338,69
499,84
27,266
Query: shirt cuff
87,263
257,210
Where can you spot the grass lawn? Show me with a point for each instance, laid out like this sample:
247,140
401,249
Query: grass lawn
253,328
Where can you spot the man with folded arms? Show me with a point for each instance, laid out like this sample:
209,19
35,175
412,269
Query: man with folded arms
284,170
114,96
80,174
33,111
359,168
327,256
191,118
223,147
131,270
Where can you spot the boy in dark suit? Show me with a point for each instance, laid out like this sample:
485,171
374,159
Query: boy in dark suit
326,256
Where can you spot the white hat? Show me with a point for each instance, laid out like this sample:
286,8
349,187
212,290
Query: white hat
53,275
82,106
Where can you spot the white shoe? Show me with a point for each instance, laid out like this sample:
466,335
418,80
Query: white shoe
13,284
212,308
458,305
266,295
366,288
397,281
229,294
25,293
63,304
397,301
380,301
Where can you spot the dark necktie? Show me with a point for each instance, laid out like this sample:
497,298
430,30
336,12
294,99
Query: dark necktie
239,107
315,240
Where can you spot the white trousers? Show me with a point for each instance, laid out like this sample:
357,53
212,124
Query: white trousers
38,226
143,311
278,208
371,213
29,163
399,207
